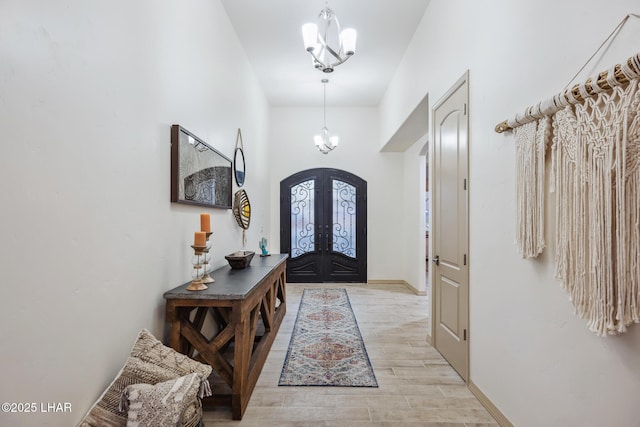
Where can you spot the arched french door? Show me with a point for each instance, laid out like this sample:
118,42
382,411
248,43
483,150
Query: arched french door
323,226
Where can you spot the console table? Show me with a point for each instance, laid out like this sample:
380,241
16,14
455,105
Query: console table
231,326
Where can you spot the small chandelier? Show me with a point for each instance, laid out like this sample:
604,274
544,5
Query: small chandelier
324,142
319,39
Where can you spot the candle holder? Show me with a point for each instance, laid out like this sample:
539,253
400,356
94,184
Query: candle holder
198,269
207,257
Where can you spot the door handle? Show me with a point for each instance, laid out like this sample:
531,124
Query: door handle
436,260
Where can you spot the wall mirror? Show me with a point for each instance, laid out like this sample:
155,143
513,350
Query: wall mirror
200,175
238,161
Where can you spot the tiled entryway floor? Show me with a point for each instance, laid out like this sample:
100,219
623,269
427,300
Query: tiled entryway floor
416,385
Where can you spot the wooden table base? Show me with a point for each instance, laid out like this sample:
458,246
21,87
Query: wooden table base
230,332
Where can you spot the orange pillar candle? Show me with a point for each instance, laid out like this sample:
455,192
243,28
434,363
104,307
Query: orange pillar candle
205,222
200,238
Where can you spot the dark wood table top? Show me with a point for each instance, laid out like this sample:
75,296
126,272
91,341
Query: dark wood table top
231,284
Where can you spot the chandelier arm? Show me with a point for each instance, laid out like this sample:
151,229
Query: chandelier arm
330,65
315,58
323,40
335,54
325,46
341,61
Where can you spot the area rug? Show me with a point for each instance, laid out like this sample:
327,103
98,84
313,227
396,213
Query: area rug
326,348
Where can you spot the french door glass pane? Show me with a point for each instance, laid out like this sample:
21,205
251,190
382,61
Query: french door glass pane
302,218
344,218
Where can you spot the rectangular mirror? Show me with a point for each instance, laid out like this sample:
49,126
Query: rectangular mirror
200,175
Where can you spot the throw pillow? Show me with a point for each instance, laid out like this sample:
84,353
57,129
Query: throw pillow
162,404
150,362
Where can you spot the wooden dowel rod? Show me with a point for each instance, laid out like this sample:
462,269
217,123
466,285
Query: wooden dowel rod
602,82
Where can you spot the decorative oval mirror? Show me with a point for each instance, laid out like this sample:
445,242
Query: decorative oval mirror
238,161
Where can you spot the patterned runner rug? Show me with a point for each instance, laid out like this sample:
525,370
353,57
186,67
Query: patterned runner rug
326,348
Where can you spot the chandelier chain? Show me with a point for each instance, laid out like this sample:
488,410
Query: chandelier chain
324,104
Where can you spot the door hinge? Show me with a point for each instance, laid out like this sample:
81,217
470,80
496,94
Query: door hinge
464,260
464,184
464,335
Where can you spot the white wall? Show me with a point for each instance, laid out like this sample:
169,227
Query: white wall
292,150
530,355
90,241
414,216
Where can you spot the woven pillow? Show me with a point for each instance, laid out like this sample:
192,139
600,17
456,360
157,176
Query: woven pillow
162,404
150,362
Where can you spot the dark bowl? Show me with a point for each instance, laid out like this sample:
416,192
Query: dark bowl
240,259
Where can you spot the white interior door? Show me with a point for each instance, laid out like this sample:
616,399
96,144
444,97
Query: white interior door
450,229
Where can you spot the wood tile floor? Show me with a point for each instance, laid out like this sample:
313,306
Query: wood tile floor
416,385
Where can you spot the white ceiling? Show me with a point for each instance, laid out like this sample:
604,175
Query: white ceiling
270,32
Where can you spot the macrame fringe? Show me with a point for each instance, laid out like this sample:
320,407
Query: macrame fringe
531,144
596,172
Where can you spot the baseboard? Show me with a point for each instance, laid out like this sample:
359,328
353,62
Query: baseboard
489,406
398,282
382,282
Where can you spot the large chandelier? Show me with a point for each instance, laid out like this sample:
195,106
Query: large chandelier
324,142
327,44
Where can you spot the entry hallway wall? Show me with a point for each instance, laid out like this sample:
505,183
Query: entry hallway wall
89,240
292,150
530,355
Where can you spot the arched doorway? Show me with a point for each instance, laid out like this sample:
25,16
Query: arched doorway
323,226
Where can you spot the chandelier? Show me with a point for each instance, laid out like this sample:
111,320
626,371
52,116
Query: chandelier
327,44
324,142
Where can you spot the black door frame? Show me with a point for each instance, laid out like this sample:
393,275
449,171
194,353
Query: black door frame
321,263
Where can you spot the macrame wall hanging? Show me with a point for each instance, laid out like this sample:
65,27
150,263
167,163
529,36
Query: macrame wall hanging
596,151
595,175
531,146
